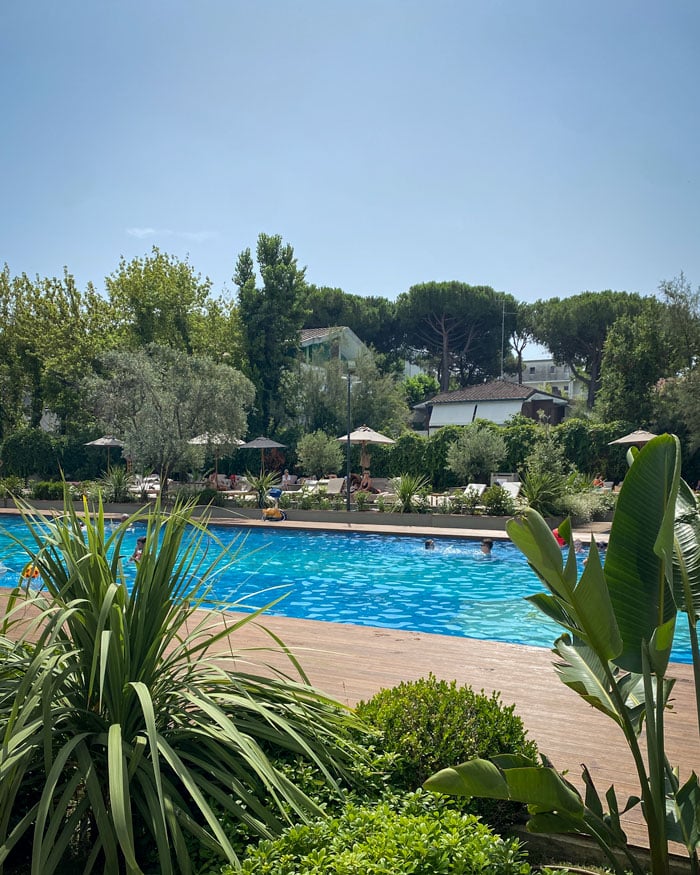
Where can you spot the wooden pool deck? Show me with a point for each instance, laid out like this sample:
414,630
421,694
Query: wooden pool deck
351,663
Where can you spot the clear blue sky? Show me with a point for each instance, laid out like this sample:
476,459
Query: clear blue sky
543,147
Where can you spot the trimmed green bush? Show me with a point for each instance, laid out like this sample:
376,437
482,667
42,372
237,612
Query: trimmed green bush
430,724
380,840
47,490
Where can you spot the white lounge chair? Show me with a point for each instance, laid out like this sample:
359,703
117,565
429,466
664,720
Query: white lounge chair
479,488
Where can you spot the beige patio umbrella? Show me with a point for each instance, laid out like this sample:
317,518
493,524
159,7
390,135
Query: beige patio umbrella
634,439
217,441
365,435
107,440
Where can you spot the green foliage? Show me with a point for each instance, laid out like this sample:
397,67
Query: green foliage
157,399
271,318
543,491
498,502
520,435
29,451
261,484
210,496
586,506
636,355
419,388
410,492
382,840
115,484
47,490
429,722
123,720
11,486
158,299
457,324
574,329
319,453
476,453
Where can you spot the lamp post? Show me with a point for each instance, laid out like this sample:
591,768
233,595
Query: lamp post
347,450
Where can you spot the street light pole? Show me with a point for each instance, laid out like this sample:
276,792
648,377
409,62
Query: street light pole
347,451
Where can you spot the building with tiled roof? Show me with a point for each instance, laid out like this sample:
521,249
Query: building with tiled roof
496,401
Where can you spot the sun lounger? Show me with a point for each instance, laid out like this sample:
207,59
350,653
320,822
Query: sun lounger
513,489
479,488
334,485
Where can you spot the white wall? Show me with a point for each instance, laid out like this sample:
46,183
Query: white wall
462,412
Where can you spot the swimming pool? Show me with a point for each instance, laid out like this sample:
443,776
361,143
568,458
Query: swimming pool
382,580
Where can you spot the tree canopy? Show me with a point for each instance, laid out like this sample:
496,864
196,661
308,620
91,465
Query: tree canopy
574,330
272,316
457,324
157,399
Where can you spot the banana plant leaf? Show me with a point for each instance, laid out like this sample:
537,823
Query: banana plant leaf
686,569
639,560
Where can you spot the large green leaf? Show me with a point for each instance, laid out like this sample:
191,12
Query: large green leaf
539,787
638,563
686,570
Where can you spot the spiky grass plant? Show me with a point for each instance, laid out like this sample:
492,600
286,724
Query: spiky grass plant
410,491
128,727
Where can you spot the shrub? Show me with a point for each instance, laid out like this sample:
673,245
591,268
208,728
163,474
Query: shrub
47,490
410,493
115,484
378,840
319,452
476,453
543,490
497,501
210,496
431,723
587,506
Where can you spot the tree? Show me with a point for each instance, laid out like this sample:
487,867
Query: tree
51,333
271,319
683,318
319,454
158,299
459,325
159,398
316,397
521,334
636,355
574,330
419,388
476,453
29,451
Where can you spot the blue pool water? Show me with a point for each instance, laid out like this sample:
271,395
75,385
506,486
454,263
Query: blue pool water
375,580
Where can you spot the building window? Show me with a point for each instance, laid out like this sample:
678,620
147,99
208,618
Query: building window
532,370
551,369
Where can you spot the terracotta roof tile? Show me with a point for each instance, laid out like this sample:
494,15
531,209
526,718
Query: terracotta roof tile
495,390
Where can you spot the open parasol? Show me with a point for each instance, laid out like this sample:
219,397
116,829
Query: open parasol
108,441
217,441
262,444
365,435
634,439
